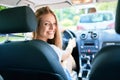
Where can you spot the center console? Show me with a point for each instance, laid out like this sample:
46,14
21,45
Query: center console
88,46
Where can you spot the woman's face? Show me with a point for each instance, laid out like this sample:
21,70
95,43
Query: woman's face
47,27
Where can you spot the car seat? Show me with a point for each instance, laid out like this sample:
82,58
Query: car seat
28,59
106,64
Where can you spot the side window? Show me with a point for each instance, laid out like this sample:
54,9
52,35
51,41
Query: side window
2,7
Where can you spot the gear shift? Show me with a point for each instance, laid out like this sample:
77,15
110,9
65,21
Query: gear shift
88,65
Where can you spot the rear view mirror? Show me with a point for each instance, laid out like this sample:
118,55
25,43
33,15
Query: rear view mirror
91,10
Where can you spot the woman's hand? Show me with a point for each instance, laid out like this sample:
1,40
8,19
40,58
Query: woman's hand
72,43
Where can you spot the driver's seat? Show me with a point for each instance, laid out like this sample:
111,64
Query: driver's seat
29,59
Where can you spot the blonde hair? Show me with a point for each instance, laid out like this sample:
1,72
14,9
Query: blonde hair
57,37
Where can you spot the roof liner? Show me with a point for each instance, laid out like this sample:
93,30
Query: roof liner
9,2
36,3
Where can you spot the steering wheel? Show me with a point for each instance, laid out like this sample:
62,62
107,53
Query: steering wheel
67,34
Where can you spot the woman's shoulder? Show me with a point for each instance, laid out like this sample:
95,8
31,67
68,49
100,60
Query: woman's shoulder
58,51
57,48
53,46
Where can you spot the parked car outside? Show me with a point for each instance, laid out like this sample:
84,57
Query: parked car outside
97,20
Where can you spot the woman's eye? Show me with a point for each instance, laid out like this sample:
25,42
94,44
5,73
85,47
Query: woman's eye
46,24
55,24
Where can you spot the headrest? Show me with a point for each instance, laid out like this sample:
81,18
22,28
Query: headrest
117,23
106,64
17,20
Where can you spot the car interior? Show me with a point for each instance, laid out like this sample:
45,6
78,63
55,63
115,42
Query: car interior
96,53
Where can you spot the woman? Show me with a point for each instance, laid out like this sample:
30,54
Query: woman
48,31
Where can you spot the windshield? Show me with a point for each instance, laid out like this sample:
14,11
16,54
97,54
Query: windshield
96,17
78,18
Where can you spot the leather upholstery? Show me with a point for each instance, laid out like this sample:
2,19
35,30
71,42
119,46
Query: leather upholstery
106,64
19,19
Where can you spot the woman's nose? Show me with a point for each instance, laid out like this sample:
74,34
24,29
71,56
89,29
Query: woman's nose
52,26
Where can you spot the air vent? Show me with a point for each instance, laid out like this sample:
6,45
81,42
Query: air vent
83,36
94,36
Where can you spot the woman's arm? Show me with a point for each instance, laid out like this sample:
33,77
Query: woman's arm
69,49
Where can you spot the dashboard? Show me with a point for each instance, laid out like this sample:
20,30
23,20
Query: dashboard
90,42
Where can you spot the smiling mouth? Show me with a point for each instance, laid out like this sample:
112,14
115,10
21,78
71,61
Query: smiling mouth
52,32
